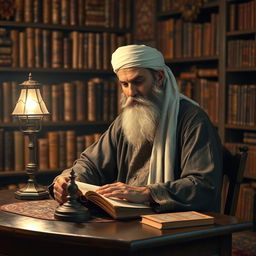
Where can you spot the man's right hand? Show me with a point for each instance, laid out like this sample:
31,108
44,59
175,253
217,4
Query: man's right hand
60,189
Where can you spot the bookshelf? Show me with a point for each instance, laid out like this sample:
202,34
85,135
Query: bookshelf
230,48
67,45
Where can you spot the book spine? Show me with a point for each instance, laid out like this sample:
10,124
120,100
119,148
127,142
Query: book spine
53,139
71,148
69,101
43,153
18,151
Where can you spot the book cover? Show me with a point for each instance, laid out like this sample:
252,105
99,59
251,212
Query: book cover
177,219
116,208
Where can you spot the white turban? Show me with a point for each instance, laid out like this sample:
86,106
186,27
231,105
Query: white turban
163,151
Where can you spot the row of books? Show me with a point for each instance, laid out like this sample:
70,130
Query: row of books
179,39
107,13
250,170
241,53
42,48
242,16
246,199
5,48
241,104
203,91
94,100
175,5
249,138
57,150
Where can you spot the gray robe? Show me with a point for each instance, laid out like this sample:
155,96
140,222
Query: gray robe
197,171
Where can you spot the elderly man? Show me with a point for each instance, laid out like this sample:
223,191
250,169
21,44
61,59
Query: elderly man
162,149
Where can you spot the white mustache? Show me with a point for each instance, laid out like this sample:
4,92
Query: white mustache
130,100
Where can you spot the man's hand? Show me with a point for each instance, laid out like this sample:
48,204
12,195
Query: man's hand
126,192
60,189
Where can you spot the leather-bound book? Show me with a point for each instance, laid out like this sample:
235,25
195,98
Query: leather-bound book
91,90
28,11
71,147
23,50
67,52
81,101
65,12
46,48
30,47
19,11
69,101
55,100
19,151
14,34
91,50
7,99
75,47
43,154
53,138
38,47
37,11
57,49
62,149
56,8
47,11
73,12
8,151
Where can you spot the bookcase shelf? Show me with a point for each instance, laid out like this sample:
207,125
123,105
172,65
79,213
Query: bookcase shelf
194,59
241,33
13,24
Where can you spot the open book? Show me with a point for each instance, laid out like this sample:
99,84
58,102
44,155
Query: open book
116,208
177,219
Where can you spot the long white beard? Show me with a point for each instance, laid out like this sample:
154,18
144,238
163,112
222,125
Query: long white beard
139,119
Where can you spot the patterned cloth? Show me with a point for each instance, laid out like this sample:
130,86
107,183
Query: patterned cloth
41,209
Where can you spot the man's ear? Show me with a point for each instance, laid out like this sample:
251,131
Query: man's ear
160,78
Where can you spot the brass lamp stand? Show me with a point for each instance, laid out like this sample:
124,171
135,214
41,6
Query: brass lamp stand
30,110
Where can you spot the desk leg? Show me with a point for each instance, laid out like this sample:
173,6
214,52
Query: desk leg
226,245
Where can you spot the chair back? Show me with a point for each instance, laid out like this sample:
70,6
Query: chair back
233,168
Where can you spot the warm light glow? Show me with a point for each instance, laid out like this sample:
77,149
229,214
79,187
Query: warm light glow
30,102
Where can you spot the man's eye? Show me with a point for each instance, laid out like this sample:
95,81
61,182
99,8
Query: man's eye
124,84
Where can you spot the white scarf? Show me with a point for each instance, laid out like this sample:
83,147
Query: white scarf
163,151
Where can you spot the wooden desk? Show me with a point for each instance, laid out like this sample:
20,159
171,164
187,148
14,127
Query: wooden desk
21,235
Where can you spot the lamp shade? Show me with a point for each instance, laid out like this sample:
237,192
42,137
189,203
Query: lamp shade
30,102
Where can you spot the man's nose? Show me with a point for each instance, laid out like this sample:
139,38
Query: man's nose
132,90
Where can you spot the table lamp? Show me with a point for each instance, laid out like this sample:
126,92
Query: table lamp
30,110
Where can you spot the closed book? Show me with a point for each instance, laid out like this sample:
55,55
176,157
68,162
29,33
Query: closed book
14,34
81,101
57,49
69,101
55,103
38,47
37,11
73,12
8,151
19,11
67,52
30,47
28,10
71,147
116,208
91,51
80,145
81,12
19,151
56,8
53,138
1,150
43,153
91,107
47,11
47,98
65,12
75,48
7,99
177,220
46,48
23,50
80,61
62,150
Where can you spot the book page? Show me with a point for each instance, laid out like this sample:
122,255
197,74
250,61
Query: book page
85,187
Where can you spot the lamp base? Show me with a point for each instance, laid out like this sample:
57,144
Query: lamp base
32,192
72,211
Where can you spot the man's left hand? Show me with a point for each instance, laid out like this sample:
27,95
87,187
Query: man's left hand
126,192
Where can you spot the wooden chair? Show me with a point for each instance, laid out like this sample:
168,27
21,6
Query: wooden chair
233,169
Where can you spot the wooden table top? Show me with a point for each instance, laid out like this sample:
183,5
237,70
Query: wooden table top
121,234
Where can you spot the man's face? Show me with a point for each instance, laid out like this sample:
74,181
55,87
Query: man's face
135,81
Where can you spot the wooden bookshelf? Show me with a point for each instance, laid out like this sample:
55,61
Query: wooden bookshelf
242,73
110,29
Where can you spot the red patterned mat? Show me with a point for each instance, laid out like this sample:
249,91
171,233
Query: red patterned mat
41,209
